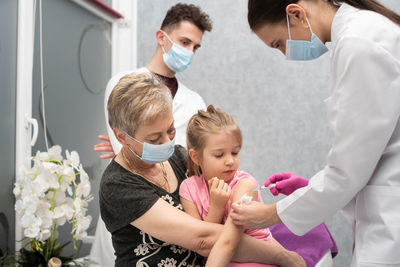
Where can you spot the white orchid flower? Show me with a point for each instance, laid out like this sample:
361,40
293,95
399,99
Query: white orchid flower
31,189
42,156
42,208
63,211
69,190
77,205
28,219
32,231
20,207
82,224
31,224
44,234
80,207
80,235
65,183
51,165
68,171
17,189
59,212
83,189
67,177
82,174
48,195
47,220
47,180
24,174
55,153
26,206
60,221
72,159
69,212
59,198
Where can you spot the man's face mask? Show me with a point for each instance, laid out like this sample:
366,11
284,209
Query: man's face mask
178,58
304,50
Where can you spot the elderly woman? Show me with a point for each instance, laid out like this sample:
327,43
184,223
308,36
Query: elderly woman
139,198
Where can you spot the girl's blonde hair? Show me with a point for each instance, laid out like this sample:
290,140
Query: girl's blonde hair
137,98
204,123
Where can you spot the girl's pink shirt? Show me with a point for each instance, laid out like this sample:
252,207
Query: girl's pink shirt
194,189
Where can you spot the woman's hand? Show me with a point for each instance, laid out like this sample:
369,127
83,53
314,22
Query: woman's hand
285,183
254,215
220,192
104,147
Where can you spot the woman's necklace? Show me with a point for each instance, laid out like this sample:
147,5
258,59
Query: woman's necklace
134,170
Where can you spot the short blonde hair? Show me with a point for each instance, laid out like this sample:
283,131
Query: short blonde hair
204,123
137,98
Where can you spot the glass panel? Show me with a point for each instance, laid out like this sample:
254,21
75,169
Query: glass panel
77,66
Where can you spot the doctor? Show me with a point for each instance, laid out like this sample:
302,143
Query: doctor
362,174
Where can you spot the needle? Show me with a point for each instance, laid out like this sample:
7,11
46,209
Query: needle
263,187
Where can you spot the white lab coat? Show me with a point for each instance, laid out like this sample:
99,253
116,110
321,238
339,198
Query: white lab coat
363,165
185,103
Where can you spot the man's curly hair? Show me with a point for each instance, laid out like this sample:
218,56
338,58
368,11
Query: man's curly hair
188,12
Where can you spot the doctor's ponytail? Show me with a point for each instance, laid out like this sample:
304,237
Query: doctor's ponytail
372,5
261,12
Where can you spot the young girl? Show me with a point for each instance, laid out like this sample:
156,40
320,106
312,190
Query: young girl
214,141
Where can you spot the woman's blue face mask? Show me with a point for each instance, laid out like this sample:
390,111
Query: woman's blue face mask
304,50
152,154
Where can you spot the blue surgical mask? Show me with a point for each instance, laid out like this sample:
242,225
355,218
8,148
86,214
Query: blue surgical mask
152,154
178,58
304,50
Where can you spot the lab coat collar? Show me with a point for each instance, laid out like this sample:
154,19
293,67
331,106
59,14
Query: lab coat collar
180,96
340,20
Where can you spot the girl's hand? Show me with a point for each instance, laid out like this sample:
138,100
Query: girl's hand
220,192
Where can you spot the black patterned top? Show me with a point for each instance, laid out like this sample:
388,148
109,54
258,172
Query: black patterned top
124,197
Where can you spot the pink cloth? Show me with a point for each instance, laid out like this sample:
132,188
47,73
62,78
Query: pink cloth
195,189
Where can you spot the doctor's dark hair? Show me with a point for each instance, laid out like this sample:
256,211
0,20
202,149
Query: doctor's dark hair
186,12
262,12
202,125
137,98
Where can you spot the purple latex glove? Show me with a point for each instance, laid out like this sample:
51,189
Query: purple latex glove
285,183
